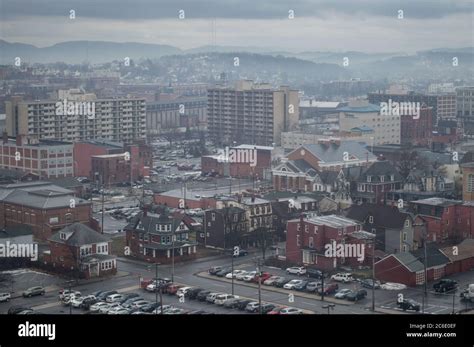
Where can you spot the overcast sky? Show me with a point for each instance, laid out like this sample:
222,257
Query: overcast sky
323,25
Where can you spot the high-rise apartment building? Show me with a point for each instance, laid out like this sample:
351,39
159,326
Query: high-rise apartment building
78,119
465,108
251,113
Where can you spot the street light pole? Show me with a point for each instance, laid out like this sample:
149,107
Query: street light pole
259,287
156,287
373,275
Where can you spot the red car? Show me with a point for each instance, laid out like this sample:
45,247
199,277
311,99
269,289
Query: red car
329,289
276,310
265,276
172,289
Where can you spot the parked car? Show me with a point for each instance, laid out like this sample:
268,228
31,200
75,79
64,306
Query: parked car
222,298
76,302
215,269
5,297
296,270
240,276
342,277
369,283
263,277
281,282
211,297
301,286
140,303
269,281
250,276
159,309
193,293
291,310
64,293
231,303
114,298
33,291
409,304
88,301
242,252
172,289
202,295
242,304
104,295
175,310
17,309
445,285
129,302
341,294
252,307
267,308
276,310
312,287
223,272
292,284
118,310
183,291
106,309
150,307
129,296
97,306
234,273
314,273
356,295
328,289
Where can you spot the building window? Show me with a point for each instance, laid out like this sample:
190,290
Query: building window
62,236
392,177
213,217
311,242
371,219
404,236
315,229
470,183
404,248
369,178
382,178
298,242
407,223
306,228
420,277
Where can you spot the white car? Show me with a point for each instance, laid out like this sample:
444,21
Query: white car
76,302
342,277
183,291
69,298
158,309
140,303
67,293
296,270
174,310
96,307
240,276
249,276
393,286
5,297
107,308
292,284
221,298
118,310
235,273
291,310
114,298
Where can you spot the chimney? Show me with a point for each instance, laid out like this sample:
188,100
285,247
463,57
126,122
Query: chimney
5,137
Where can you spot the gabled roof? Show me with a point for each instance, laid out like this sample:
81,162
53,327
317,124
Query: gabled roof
352,173
384,216
334,152
465,250
409,261
148,223
434,257
81,235
378,169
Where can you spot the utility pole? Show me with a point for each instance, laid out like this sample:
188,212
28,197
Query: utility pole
373,275
322,285
103,203
156,288
259,274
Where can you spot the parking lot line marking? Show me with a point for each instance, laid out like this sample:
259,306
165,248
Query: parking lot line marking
441,309
308,303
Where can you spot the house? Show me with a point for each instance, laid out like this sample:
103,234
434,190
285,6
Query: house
310,237
461,257
393,229
224,228
156,237
303,167
375,181
78,248
410,268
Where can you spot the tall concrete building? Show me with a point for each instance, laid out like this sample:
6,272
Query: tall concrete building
78,119
360,113
465,108
251,113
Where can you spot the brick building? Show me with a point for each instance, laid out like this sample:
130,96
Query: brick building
223,165
45,207
82,249
417,131
224,228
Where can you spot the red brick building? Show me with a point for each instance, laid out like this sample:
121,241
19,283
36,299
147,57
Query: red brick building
45,207
177,198
79,248
222,164
83,151
417,131
308,239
